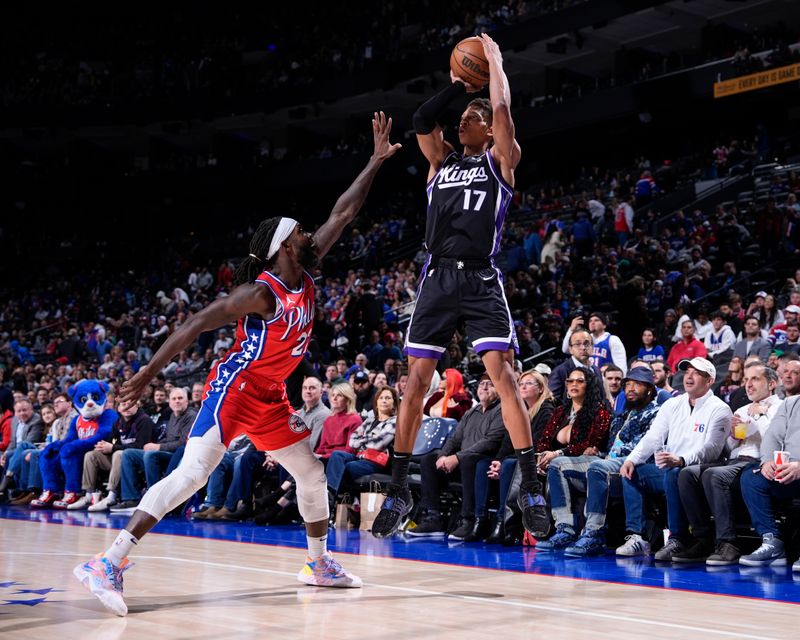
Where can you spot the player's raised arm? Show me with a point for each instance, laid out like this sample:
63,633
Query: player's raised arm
243,300
349,203
430,136
506,149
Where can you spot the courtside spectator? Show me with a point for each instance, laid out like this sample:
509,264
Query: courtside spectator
767,481
689,429
598,478
708,489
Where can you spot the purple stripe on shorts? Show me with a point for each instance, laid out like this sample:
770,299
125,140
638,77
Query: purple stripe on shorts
494,346
423,353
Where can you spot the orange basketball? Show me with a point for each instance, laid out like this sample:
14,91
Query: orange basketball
468,62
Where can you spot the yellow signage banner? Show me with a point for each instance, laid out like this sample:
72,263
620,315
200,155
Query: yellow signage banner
758,80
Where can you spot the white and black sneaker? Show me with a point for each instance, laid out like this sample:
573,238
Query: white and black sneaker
634,545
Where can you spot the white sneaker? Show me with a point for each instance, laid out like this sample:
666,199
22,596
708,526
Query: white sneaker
104,580
103,504
634,545
324,571
82,502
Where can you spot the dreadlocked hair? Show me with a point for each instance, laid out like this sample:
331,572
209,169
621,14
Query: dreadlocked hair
250,268
594,400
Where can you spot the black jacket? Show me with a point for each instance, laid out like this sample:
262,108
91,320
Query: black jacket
133,434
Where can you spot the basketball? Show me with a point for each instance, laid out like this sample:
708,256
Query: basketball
469,63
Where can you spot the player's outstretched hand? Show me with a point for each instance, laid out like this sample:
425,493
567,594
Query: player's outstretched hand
381,128
133,389
491,49
471,88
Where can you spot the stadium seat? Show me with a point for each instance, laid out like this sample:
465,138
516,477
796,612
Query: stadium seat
432,434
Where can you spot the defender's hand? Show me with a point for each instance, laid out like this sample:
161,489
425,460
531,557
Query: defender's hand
133,389
381,128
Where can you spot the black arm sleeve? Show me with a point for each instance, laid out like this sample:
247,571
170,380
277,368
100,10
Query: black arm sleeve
425,117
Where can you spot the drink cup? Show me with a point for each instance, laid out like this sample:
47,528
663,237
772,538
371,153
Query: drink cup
781,457
96,497
740,431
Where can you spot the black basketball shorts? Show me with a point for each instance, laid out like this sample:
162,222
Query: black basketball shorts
450,292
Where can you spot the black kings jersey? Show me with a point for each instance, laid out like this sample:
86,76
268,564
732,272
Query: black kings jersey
467,204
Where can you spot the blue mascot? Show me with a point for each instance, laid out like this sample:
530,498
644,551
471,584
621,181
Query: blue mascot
61,462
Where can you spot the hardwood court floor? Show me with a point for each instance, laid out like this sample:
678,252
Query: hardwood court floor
187,584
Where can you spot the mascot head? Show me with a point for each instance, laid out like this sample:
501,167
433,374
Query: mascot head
89,398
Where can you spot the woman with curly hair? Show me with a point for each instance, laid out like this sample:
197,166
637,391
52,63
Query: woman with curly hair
580,425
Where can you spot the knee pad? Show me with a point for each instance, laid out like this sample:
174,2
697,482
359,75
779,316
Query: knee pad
309,475
191,474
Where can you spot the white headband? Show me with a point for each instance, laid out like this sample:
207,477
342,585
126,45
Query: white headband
285,228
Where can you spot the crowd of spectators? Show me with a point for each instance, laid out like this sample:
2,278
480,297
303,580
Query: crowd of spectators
204,55
579,259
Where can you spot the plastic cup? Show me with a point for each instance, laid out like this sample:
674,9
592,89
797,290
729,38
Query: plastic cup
781,457
740,431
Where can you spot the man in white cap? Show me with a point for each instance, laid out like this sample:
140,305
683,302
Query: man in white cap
543,369
778,333
689,429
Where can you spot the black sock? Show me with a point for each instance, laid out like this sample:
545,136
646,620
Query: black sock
400,462
526,459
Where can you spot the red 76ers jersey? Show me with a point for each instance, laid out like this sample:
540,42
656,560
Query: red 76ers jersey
86,428
267,351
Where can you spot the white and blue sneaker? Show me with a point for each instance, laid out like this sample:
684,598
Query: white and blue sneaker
100,576
591,543
563,537
324,571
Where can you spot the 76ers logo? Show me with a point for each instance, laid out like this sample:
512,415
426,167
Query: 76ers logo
296,423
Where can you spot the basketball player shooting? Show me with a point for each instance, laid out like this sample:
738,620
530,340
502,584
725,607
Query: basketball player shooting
245,392
468,197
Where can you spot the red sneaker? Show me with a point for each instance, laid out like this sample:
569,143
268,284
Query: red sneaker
45,500
68,499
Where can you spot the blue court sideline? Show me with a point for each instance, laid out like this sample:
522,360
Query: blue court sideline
764,583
